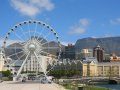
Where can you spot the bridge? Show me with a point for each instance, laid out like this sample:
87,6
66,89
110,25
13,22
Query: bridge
95,80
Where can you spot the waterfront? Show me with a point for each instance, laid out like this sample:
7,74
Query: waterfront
113,87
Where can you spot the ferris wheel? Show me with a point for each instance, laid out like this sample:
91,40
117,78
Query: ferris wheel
35,43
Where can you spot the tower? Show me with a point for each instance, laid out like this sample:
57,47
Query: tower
98,52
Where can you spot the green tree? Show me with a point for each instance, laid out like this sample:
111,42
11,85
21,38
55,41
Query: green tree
6,73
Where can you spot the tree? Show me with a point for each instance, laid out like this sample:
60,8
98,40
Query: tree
6,73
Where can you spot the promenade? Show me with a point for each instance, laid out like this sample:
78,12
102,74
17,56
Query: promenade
28,86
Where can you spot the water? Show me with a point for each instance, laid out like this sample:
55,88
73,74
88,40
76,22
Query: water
113,87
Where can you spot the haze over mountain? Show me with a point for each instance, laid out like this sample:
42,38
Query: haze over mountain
11,50
110,44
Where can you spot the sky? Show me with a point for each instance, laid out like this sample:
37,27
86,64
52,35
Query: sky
72,19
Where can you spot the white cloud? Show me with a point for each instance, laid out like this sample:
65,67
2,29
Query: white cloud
115,21
77,30
32,7
80,27
84,22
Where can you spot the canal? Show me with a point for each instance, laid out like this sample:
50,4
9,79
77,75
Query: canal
113,87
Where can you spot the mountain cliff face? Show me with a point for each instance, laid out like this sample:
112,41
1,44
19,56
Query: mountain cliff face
110,44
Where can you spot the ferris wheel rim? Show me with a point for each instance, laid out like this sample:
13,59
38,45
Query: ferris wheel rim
32,21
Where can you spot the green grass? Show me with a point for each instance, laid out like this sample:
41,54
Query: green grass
95,88
70,87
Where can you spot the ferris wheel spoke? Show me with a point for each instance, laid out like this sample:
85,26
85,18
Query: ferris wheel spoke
44,37
15,53
51,67
35,29
18,37
40,33
14,48
19,71
44,43
47,42
13,63
29,30
40,64
22,31
22,56
22,43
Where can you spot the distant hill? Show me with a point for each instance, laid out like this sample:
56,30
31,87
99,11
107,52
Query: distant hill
10,50
110,44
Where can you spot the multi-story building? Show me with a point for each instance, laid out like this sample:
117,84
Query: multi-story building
98,52
2,59
89,68
70,52
36,66
31,66
86,67
109,69
86,53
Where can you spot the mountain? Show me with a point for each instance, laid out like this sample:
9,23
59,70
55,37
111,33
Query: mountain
110,44
51,47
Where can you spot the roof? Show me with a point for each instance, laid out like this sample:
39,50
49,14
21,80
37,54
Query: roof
90,60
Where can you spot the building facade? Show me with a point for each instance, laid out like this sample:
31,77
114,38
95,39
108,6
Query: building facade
92,68
109,69
98,52
114,58
86,53
2,59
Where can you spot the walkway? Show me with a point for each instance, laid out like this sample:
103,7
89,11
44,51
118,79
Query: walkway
28,86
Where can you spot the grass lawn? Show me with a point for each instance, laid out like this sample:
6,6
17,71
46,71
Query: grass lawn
70,87
95,88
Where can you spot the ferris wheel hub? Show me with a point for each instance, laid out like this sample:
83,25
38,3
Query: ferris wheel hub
32,47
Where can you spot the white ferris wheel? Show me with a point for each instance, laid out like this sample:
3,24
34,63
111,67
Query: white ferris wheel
35,43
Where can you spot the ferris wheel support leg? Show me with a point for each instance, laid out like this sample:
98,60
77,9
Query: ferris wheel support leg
19,71
41,66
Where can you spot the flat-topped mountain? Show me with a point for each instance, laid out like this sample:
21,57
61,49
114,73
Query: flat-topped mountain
110,44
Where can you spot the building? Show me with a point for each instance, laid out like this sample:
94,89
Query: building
2,59
108,69
90,66
114,58
34,66
13,66
107,57
86,53
31,66
86,67
98,52
70,52
69,65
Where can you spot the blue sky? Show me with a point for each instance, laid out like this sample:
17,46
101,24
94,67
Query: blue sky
72,19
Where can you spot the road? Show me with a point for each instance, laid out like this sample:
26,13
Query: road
29,86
